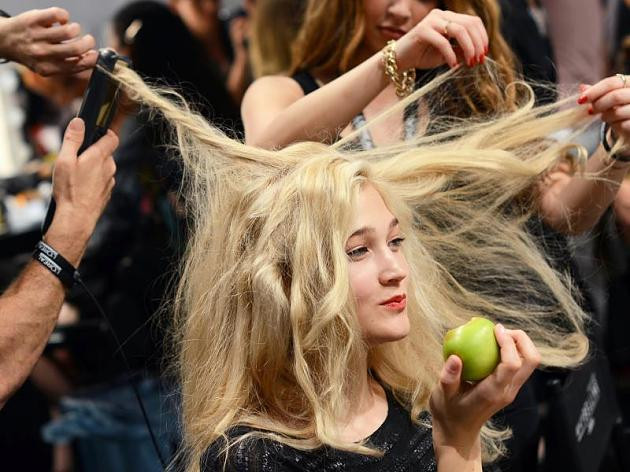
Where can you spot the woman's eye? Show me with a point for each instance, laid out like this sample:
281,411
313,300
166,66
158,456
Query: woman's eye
396,242
357,252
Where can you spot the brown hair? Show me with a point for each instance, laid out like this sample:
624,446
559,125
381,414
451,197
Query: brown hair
333,30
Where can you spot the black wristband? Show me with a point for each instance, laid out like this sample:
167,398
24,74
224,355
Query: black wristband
56,263
607,147
5,15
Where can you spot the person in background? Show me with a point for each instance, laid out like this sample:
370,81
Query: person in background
225,43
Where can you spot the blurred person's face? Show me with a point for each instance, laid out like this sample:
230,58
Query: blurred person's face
200,16
391,19
378,270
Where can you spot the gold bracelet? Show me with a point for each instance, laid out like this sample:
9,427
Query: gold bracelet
405,82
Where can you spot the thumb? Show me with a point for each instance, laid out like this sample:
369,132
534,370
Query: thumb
450,377
73,139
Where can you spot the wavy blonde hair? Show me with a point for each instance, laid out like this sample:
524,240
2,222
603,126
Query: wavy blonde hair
332,32
266,331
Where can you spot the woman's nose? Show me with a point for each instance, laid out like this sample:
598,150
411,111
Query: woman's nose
400,10
393,269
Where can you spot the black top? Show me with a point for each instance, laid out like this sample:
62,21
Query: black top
406,446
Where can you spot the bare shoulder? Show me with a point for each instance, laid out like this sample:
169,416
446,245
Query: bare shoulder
272,88
264,100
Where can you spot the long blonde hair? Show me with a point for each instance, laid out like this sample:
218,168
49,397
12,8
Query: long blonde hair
266,332
332,32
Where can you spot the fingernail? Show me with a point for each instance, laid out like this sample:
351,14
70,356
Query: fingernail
501,328
582,99
591,111
451,365
471,62
75,124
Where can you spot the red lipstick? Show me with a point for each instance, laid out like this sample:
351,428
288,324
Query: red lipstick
396,303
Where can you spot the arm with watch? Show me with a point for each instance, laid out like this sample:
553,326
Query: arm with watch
573,204
30,306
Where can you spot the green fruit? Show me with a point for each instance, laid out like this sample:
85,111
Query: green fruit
474,343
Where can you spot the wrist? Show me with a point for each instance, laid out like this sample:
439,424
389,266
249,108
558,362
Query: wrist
69,236
458,455
466,442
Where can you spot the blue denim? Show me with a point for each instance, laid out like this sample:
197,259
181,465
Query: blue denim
109,431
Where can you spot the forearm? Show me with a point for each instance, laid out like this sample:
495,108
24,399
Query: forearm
30,306
575,205
322,114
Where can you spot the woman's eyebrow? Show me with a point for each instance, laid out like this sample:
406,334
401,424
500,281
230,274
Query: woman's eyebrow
370,229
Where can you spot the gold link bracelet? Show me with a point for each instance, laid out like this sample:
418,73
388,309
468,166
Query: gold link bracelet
404,82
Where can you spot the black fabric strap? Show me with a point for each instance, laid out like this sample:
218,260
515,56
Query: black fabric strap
56,263
306,81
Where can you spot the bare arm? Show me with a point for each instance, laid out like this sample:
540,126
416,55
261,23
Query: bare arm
573,204
29,308
276,113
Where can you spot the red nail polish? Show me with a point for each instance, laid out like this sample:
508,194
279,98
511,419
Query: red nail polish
582,99
591,111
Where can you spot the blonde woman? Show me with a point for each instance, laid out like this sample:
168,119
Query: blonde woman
318,285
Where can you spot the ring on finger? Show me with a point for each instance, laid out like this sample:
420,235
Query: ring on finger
446,27
624,79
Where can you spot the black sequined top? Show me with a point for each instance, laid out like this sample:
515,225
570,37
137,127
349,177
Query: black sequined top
406,446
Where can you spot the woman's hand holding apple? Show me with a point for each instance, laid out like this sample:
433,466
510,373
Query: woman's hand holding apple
460,409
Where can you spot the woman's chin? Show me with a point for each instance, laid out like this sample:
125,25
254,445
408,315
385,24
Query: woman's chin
390,332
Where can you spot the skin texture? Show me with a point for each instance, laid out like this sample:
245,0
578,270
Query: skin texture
31,305
378,270
46,42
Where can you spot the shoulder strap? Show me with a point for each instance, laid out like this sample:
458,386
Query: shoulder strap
306,81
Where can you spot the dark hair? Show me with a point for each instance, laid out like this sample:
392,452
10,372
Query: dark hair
165,52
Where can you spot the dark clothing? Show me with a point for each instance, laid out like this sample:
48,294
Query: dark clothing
406,446
530,46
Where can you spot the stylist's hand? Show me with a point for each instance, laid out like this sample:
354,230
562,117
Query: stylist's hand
428,44
610,97
460,409
82,186
45,42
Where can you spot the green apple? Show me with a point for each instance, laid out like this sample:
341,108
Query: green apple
474,343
